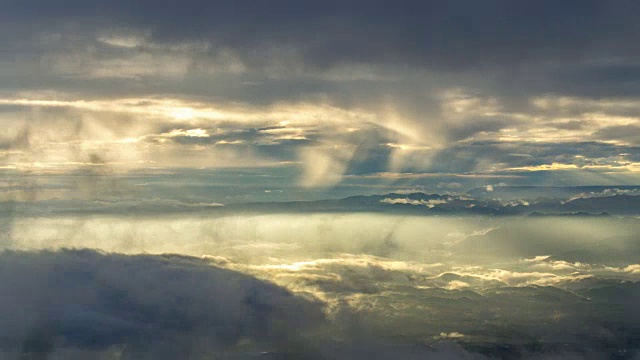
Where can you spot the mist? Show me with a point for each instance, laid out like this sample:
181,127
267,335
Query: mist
568,285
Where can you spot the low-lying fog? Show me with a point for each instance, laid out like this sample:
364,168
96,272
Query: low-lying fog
362,285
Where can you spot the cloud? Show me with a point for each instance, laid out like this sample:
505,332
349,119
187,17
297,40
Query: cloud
431,203
325,166
445,94
440,36
418,286
451,335
463,88
188,133
164,306
623,133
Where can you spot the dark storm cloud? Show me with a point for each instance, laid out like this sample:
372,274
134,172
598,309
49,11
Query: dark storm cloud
455,34
610,79
518,48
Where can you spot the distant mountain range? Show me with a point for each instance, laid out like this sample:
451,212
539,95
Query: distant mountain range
494,201
503,200
550,192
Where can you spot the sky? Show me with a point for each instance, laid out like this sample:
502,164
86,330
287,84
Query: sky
362,94
330,179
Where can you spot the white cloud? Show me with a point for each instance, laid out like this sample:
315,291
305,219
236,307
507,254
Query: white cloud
200,133
451,335
431,203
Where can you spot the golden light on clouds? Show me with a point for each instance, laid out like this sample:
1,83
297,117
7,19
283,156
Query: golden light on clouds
182,110
329,139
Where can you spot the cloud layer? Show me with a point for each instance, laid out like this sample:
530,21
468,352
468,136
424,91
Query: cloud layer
164,307
331,89
412,287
